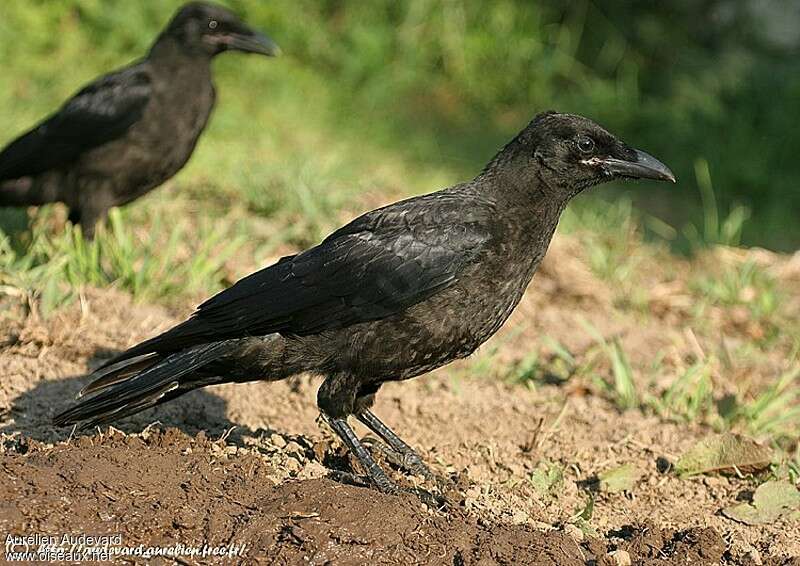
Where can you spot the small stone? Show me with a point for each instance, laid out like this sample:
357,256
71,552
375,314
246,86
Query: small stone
740,314
620,558
753,556
293,466
574,532
277,440
473,493
294,448
313,470
519,517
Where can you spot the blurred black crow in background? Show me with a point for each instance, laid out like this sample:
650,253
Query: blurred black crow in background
395,293
129,131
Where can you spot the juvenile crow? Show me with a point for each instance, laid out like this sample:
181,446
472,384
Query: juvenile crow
393,294
129,131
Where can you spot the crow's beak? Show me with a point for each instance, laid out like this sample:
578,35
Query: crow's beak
251,42
644,167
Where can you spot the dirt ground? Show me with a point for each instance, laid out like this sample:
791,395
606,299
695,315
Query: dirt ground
249,464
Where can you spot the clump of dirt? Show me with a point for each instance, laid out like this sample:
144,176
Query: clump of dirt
160,488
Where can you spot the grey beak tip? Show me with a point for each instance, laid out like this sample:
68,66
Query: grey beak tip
271,48
645,166
666,175
653,168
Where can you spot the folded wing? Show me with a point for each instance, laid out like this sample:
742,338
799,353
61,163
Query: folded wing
99,113
377,266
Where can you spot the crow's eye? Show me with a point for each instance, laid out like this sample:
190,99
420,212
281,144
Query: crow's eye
213,24
586,145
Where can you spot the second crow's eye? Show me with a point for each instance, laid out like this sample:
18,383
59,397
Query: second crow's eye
213,24
586,145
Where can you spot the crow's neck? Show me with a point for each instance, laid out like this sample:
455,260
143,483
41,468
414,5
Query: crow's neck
528,211
169,54
525,195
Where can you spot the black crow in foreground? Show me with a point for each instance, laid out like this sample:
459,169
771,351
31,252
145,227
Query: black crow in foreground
394,294
129,131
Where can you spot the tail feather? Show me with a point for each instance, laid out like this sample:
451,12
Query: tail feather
32,190
116,372
183,336
123,411
118,394
17,192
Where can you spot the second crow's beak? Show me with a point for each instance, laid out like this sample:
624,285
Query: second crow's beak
644,167
252,42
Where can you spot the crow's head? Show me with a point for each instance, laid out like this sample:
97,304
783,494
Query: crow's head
569,153
209,29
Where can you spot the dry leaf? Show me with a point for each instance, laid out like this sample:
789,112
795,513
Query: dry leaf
618,479
771,501
724,453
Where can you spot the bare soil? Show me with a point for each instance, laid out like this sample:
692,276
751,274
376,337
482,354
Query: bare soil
249,464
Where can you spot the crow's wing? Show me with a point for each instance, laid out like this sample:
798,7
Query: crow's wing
99,113
378,265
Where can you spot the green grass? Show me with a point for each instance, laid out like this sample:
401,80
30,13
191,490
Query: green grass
694,395
166,261
620,386
610,232
747,285
714,230
696,391
689,398
776,410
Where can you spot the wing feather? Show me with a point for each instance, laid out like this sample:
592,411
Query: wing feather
377,266
100,112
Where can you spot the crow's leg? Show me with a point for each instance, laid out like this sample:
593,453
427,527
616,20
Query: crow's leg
74,216
89,218
337,399
376,475
401,453
397,452
89,201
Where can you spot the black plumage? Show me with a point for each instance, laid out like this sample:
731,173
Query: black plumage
129,131
395,293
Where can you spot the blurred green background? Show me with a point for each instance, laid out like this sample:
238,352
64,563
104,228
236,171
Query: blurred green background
429,89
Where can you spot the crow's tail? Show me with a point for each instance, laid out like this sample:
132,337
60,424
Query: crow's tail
31,191
18,192
138,383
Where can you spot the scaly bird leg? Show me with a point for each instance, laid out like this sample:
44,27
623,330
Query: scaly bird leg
408,458
376,475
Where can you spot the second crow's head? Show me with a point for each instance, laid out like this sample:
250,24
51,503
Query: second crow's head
208,29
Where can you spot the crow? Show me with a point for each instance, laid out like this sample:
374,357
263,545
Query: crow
396,293
129,131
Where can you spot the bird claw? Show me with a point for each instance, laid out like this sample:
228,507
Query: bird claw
432,500
410,463
347,478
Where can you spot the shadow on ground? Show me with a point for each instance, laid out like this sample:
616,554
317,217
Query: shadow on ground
31,413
